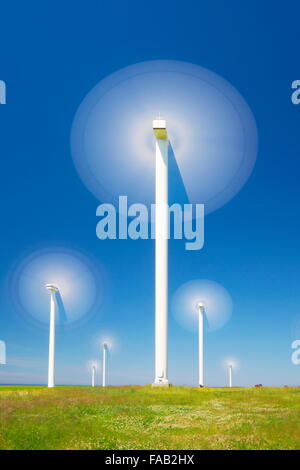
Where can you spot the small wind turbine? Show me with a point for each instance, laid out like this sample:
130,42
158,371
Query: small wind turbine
51,365
2,352
201,311
93,376
104,350
197,300
92,367
230,375
231,364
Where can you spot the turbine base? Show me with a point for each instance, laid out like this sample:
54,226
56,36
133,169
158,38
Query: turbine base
161,383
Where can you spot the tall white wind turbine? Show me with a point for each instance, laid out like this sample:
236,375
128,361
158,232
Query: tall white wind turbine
161,253
51,365
179,89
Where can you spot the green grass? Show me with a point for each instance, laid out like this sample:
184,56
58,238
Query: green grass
149,418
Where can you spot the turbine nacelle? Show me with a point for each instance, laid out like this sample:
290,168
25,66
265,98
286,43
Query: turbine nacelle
201,307
160,129
232,364
52,288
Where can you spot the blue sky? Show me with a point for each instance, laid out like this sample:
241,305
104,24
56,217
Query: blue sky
51,55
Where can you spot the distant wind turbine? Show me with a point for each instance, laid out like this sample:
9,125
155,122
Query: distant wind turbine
201,311
2,352
201,303
104,351
230,375
93,376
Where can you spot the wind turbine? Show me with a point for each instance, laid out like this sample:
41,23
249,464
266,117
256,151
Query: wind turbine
161,252
201,311
93,376
199,299
104,350
2,352
230,375
177,88
51,365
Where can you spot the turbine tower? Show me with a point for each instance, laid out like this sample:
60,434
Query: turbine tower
2,352
201,311
51,372
161,252
93,376
104,365
230,375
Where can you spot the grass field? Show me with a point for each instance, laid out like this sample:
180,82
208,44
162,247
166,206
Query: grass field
145,418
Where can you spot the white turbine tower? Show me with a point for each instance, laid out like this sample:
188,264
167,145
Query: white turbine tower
181,89
161,253
104,350
202,303
51,365
230,375
93,376
2,353
201,312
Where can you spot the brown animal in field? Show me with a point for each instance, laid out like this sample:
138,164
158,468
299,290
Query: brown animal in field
258,385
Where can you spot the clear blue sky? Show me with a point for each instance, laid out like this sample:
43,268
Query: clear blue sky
51,54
